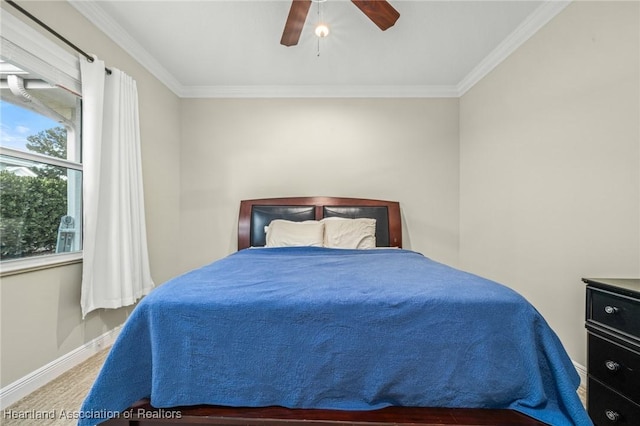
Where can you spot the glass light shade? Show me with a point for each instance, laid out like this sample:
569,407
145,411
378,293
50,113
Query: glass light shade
322,30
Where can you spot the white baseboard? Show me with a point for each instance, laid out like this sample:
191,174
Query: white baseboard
17,390
582,371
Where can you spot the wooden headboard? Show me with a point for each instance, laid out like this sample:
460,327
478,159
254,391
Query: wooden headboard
256,214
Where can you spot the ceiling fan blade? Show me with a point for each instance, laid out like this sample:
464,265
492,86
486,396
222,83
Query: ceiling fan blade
379,11
295,22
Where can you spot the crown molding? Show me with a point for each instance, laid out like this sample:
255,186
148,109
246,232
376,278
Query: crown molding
96,15
91,10
320,92
540,17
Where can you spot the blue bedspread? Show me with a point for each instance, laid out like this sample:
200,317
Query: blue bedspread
339,329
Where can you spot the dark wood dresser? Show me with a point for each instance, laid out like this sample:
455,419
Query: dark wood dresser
613,356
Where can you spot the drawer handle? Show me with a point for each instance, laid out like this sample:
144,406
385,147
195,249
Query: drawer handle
612,365
611,309
612,415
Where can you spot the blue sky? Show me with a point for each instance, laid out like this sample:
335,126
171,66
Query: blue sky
17,123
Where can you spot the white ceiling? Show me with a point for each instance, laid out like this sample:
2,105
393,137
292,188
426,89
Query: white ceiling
221,48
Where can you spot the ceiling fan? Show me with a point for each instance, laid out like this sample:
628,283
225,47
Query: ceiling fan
380,12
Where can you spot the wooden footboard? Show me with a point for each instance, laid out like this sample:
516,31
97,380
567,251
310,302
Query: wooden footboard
143,414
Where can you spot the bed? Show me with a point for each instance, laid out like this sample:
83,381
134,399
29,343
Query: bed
326,333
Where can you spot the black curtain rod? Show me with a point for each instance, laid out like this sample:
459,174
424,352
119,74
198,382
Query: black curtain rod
54,32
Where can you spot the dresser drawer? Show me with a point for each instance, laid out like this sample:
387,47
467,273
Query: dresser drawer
606,407
614,365
618,313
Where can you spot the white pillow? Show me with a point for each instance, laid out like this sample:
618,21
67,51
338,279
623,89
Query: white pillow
285,233
346,233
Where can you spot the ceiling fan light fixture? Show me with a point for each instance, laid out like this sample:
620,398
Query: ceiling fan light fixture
322,30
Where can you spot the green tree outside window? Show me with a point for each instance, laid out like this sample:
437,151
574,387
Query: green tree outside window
31,207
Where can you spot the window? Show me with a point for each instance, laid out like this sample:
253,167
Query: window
40,154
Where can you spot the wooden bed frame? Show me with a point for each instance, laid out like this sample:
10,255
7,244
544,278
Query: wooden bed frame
143,414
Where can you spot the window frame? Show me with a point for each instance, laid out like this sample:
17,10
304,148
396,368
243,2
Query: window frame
32,51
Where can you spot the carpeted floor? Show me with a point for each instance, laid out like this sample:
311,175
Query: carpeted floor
56,403
61,398
582,393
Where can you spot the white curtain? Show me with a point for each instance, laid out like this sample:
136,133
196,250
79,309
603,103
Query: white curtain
115,257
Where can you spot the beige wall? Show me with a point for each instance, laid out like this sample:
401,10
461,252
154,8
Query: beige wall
396,149
40,311
550,161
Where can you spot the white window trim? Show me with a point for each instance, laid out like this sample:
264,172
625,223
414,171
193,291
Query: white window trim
30,264
39,55
40,158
